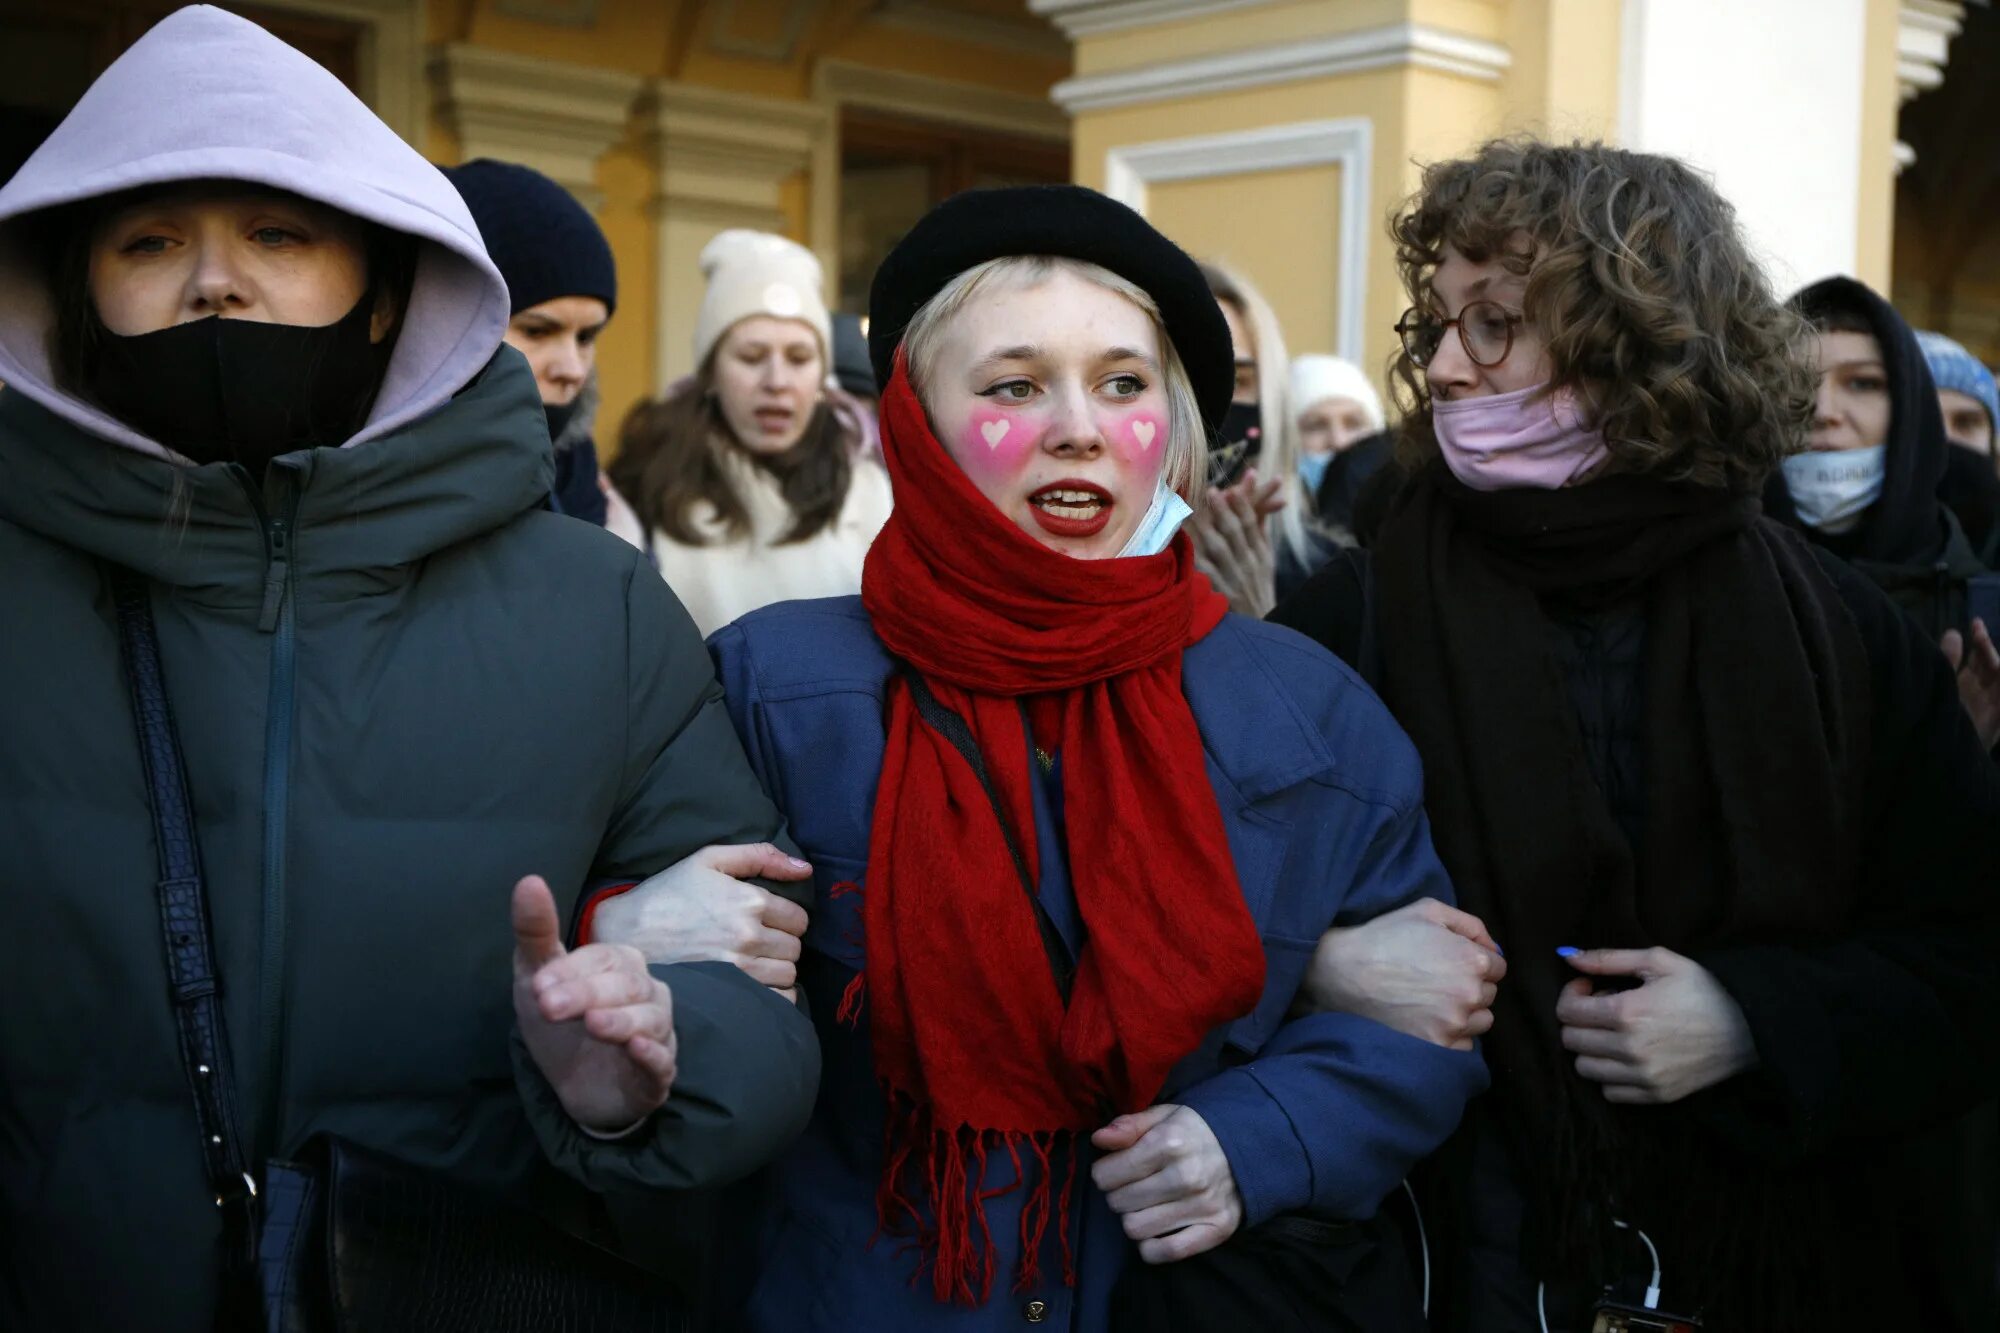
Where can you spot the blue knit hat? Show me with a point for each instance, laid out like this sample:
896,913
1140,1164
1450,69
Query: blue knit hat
1955,368
543,241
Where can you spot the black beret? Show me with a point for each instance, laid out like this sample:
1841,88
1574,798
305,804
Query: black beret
1075,223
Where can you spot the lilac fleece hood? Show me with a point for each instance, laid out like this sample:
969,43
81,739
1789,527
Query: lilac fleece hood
206,94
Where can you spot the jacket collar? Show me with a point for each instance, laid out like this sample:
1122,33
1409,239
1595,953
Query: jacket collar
1250,723
467,468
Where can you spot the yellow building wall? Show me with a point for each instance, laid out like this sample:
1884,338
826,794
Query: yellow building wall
1275,228
1874,261
677,39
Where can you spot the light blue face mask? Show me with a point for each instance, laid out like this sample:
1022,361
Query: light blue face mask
1832,489
1162,520
1312,471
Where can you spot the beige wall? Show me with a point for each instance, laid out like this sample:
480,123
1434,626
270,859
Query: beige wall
1275,228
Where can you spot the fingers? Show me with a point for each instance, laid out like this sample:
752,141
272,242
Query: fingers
1577,1007
1631,1094
1596,1042
1127,1130
757,860
1987,651
1620,962
657,1060
1168,1185
650,1019
770,972
1164,1218
1600,1069
785,915
1460,923
603,990
1953,645
1183,1244
537,927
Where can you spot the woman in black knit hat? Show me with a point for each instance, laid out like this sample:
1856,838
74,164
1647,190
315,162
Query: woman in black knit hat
562,286
1075,830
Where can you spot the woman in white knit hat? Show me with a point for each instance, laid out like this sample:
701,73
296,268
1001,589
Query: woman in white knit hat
749,487
1343,437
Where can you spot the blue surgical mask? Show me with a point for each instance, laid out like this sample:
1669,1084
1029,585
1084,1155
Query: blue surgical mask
1312,471
1832,489
1162,520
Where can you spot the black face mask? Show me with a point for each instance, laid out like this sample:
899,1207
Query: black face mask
1238,443
560,415
236,390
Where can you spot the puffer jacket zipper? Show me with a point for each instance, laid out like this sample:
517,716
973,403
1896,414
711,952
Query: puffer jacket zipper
277,617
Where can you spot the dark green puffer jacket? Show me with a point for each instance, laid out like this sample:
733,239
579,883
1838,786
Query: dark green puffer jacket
399,688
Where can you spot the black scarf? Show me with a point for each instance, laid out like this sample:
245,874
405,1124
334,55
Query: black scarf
1755,705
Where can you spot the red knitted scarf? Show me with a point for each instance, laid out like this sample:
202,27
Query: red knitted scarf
973,1042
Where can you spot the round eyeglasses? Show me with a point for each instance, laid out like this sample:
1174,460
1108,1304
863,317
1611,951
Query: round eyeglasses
1485,330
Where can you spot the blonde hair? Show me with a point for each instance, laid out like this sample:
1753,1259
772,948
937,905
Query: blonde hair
1278,453
1186,465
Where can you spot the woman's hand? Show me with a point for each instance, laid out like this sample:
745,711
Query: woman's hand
1165,1176
700,910
1427,970
1674,1034
1232,547
599,1025
1978,670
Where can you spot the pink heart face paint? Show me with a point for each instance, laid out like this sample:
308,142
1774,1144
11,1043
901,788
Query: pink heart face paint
998,445
1140,437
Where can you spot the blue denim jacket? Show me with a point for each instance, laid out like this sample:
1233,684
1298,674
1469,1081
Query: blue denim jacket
1322,797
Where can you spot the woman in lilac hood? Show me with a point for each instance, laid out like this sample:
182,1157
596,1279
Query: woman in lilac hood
256,395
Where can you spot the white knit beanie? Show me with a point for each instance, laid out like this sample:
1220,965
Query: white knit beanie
1317,378
756,273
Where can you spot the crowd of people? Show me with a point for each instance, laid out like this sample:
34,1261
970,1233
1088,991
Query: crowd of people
1037,807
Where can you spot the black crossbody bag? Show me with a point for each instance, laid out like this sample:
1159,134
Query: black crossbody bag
345,1240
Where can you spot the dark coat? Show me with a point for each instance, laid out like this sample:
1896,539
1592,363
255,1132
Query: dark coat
1320,796
1869,1042
400,686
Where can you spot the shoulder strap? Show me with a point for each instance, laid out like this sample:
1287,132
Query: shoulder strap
939,717
183,903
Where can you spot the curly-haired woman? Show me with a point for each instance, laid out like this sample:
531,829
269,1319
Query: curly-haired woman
1709,789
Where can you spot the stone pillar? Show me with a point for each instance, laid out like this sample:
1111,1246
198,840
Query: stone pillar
1275,136
723,158
555,117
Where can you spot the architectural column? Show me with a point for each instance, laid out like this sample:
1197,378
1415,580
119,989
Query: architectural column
555,117
723,159
1924,29
1273,135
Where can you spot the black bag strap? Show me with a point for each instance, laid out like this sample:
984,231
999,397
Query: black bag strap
183,902
939,717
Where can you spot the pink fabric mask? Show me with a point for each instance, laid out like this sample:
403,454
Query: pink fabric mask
1519,439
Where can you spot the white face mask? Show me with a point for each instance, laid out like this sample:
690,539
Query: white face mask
1832,489
1163,518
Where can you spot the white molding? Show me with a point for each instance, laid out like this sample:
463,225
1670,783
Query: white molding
1924,29
1348,143
838,83
1088,18
557,118
392,57
723,160
1385,47
970,29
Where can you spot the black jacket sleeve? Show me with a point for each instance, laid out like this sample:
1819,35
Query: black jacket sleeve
1890,1027
748,1057
1332,609
748,1072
